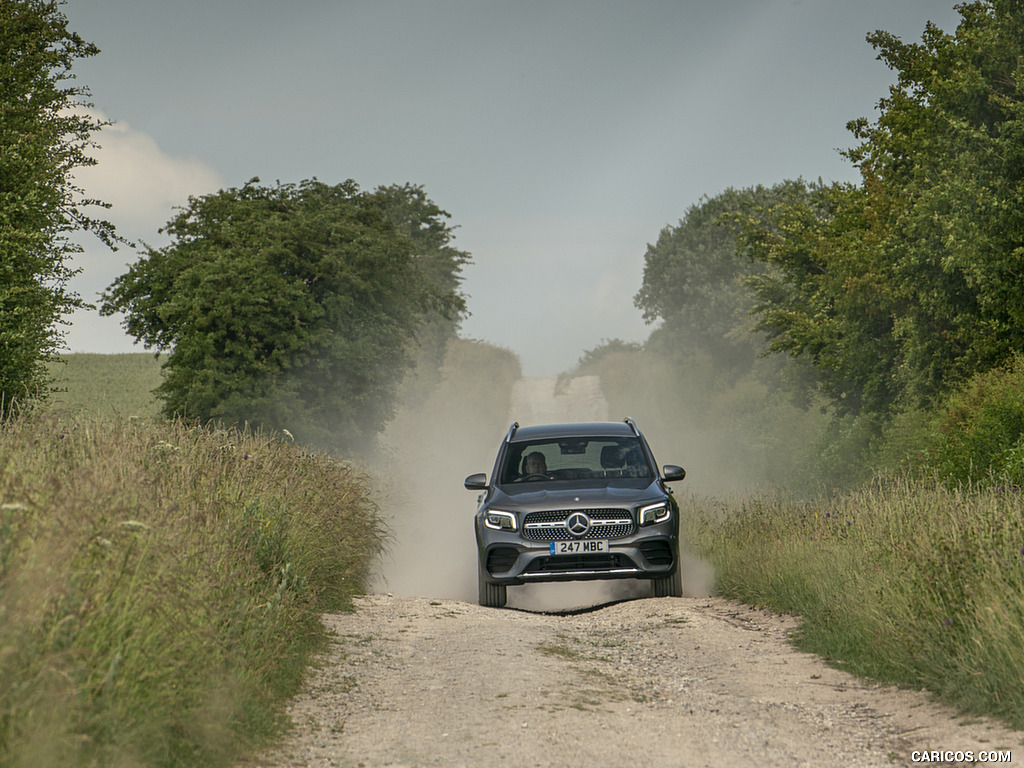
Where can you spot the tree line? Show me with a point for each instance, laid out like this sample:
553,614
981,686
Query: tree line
893,294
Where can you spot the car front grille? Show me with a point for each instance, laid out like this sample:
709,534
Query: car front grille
604,524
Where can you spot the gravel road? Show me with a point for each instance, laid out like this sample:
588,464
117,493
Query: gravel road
664,682
420,675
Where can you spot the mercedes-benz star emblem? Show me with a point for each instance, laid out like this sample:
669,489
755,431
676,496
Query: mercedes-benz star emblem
578,524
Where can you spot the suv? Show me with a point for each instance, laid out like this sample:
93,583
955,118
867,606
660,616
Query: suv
570,502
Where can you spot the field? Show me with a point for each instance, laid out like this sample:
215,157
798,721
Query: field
107,385
161,585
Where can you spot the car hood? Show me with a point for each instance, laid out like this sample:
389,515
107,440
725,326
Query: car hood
533,500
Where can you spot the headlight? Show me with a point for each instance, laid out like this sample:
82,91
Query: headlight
655,513
500,521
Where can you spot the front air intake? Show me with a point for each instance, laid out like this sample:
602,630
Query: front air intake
657,552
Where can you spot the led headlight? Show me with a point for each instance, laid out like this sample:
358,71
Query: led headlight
655,513
500,521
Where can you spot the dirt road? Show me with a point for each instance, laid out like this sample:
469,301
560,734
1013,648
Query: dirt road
422,676
653,682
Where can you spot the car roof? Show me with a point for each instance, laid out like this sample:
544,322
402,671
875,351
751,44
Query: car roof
573,429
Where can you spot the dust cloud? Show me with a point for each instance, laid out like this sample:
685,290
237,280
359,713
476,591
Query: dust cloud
429,449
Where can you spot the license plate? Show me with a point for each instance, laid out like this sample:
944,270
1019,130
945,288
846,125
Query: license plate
589,547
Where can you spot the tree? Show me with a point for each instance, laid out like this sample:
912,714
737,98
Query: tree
828,297
45,134
291,307
903,287
696,276
948,148
423,222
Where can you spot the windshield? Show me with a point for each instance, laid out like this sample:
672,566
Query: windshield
575,458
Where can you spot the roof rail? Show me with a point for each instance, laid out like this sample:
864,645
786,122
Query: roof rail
512,431
632,425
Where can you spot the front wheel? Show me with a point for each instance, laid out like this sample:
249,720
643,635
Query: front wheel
669,586
491,595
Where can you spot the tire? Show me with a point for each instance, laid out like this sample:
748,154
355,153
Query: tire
491,595
669,586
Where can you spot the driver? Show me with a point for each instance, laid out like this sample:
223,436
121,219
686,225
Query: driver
535,464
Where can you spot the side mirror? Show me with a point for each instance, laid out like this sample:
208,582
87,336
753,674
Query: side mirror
477,482
671,473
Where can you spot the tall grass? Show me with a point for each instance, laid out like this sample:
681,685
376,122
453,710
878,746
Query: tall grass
160,586
906,581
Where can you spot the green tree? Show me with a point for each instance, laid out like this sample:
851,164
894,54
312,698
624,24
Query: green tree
291,307
901,288
948,147
696,277
422,221
45,134
828,298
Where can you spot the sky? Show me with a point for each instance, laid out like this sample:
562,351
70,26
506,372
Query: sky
561,136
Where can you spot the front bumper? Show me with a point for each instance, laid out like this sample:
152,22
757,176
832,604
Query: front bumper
506,558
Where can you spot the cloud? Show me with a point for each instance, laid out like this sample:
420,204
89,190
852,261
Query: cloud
140,181
144,185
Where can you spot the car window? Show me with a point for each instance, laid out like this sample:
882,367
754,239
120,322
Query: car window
575,459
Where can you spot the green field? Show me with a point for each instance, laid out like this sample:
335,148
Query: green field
161,584
108,385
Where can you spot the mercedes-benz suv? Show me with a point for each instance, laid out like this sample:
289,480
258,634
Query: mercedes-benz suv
569,502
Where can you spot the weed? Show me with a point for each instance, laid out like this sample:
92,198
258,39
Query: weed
559,650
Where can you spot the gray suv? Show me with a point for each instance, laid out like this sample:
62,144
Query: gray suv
570,502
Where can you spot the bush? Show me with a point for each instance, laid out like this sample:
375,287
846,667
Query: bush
980,437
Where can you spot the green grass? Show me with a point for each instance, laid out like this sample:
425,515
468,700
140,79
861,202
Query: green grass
161,585
107,385
904,581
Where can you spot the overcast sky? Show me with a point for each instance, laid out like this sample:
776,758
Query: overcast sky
561,136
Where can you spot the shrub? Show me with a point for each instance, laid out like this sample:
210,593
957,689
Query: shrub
981,434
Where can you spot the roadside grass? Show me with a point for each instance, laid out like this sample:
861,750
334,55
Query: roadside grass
161,585
905,581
